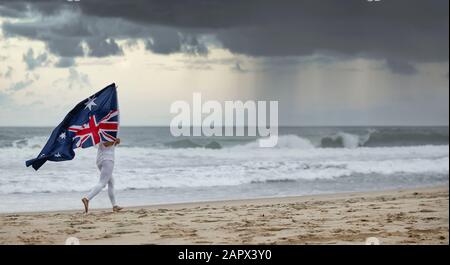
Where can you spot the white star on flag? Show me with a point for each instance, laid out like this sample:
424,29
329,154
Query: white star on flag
62,135
90,103
58,155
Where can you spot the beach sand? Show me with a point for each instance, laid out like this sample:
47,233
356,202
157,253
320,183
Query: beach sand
418,216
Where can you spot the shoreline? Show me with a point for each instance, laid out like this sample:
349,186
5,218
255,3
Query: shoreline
281,199
407,216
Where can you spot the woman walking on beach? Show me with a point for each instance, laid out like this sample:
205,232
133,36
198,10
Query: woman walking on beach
105,163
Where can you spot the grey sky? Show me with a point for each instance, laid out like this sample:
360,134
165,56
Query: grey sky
328,62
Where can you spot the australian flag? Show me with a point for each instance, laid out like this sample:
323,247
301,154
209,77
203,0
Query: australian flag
93,120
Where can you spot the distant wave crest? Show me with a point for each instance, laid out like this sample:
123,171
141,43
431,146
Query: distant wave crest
340,139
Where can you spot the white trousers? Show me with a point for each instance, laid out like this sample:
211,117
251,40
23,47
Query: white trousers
106,168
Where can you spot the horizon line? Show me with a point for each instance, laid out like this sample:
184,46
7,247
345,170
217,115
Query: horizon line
303,125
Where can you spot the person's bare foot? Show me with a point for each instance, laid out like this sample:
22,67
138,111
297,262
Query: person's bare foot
117,208
86,204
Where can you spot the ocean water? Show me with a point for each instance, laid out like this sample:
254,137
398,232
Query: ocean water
153,167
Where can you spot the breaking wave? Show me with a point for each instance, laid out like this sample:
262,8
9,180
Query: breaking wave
297,160
339,139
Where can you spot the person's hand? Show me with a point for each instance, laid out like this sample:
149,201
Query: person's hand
116,142
106,144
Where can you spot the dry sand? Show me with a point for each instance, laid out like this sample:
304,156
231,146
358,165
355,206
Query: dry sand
419,216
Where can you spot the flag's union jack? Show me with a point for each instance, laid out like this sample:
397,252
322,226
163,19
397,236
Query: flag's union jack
94,132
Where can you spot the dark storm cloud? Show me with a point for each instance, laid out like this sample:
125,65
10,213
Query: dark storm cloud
12,9
100,47
402,31
401,67
67,47
54,34
17,8
65,38
191,45
167,42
